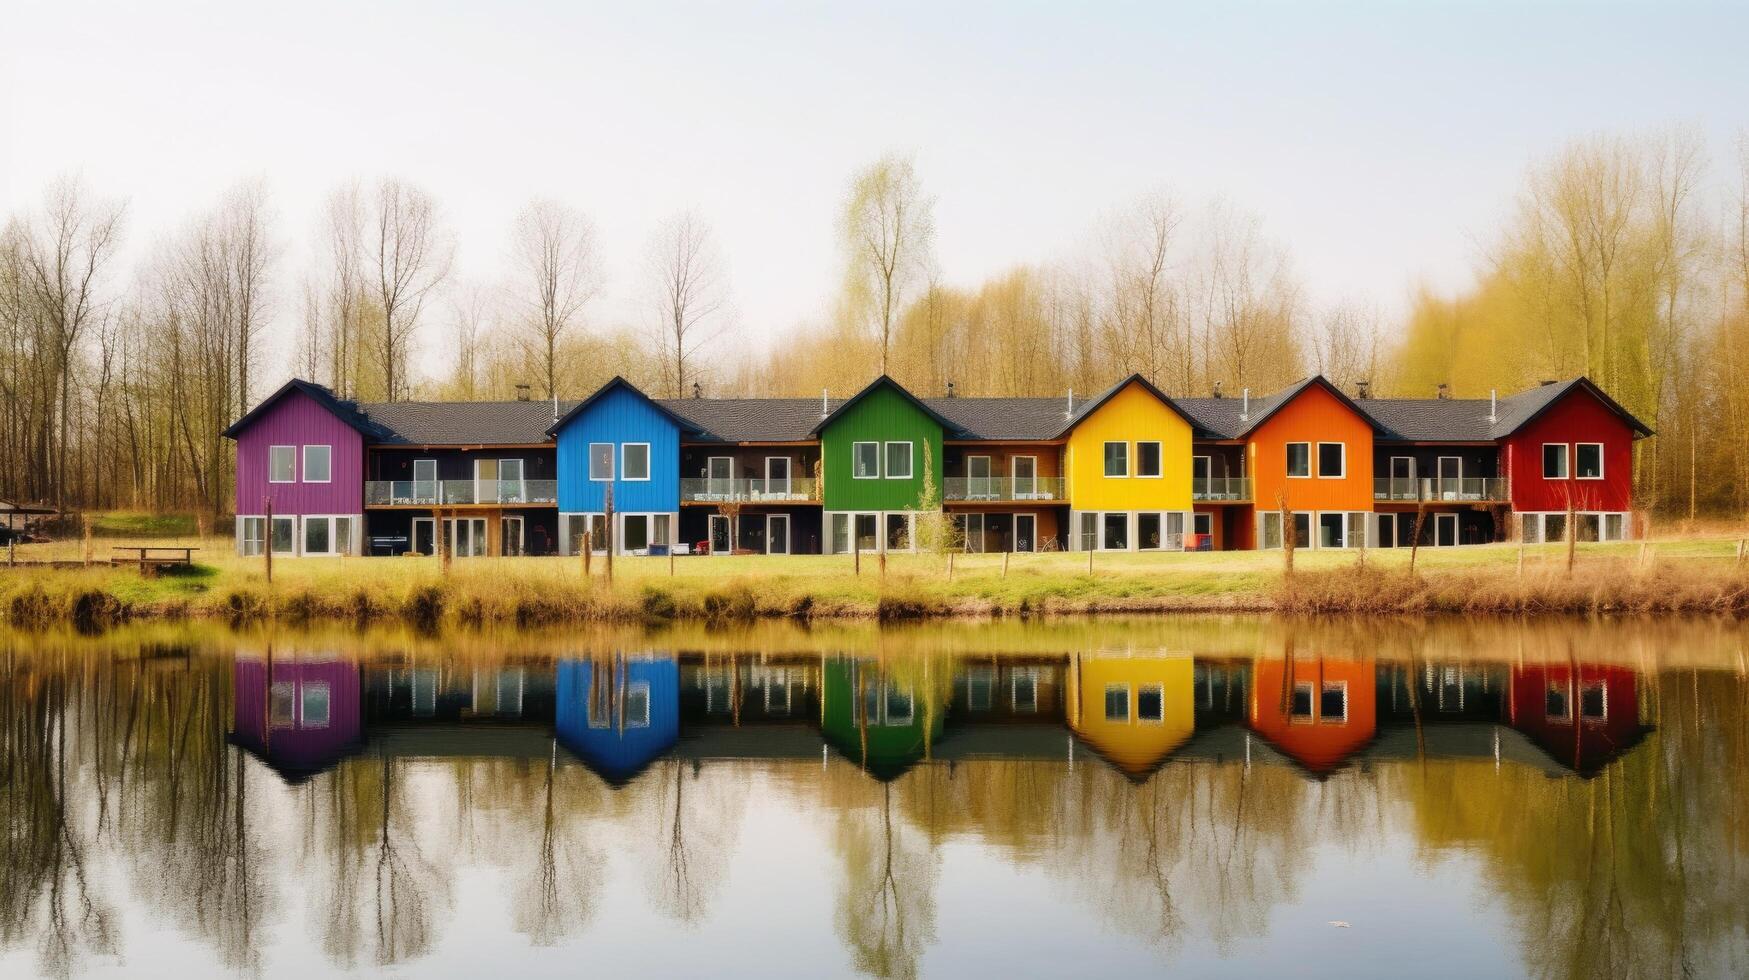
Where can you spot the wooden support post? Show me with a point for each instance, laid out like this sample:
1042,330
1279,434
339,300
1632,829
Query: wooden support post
883,563
856,550
1005,564
950,566
588,552
607,533
267,537
1090,561
670,559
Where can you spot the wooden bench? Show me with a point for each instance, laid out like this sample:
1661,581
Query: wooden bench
152,560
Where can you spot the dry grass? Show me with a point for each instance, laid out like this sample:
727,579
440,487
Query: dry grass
1688,574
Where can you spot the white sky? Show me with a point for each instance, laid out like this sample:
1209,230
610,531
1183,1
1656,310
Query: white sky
1379,142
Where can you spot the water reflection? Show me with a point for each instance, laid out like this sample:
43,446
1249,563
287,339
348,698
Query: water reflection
390,800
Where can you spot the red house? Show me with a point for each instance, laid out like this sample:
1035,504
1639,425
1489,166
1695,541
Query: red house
1583,716
1567,446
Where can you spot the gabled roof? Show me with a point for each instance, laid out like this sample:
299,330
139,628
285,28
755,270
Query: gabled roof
1430,419
1518,411
884,381
617,383
750,419
345,411
512,423
1108,394
1019,419
1225,418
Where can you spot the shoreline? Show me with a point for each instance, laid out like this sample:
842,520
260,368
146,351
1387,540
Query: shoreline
1675,577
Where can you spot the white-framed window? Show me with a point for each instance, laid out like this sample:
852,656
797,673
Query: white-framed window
572,527
1150,531
1117,702
601,462
1114,531
634,532
634,461
1557,702
1332,530
1615,527
1299,460
1593,701
1269,530
1149,460
777,474
282,704
1332,460
865,460
1117,459
635,709
319,536
1302,528
313,704
1554,461
1151,703
285,535
1333,701
1588,461
282,464
251,536
318,464
1300,709
899,456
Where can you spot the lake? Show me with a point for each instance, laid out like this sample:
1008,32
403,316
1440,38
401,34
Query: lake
1209,796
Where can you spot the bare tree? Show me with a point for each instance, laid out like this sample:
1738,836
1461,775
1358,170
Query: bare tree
888,226
689,294
408,254
557,276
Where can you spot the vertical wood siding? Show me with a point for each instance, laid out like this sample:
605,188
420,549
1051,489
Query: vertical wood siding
619,417
1576,417
1132,415
299,420
1324,744
1313,416
883,416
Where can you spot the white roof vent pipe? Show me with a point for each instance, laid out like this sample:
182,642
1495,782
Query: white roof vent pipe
824,402
1069,409
1493,405
1245,408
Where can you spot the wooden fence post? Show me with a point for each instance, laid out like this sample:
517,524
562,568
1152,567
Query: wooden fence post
883,563
856,549
1089,561
588,550
85,528
607,533
950,566
267,537
1004,564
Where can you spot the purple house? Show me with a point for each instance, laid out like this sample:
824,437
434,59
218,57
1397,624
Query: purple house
302,451
299,715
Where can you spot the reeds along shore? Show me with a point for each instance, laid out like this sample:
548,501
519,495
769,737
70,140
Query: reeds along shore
1696,578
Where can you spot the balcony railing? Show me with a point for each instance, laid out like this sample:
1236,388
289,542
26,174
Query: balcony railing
1439,489
1002,488
750,490
433,493
1220,488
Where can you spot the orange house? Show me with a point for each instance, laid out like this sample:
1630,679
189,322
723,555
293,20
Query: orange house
1317,711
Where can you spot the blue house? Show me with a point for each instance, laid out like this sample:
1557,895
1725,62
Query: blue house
619,440
618,715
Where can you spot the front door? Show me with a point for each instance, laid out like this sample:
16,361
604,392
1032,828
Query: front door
1387,531
1447,527
511,536
777,475
424,482
1451,478
1199,476
867,532
722,536
485,481
1026,532
1025,477
510,482
424,539
975,533
1402,478
777,533
720,473
467,537
978,478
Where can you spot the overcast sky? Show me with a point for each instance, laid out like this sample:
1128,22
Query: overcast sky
1380,143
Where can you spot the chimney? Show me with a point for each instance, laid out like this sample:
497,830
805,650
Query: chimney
950,389
555,408
1493,405
1245,407
522,393
1069,411
824,403
1362,390
697,390
1444,391
1218,390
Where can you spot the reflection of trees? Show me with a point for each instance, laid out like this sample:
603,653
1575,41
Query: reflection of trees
557,895
886,912
699,820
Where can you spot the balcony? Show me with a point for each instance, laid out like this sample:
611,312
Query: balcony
1003,489
1468,489
751,490
448,493
1231,488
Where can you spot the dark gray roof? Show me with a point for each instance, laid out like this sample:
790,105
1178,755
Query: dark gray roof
515,423
751,419
1430,419
345,411
1004,418
1220,418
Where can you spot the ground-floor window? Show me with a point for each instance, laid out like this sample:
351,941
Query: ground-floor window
1551,528
572,528
888,531
1124,530
640,532
1160,531
1114,532
251,536
327,535
285,535
1336,529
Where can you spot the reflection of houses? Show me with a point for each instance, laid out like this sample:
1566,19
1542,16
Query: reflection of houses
1132,710
1317,711
881,722
1583,716
1447,691
298,715
1007,709
745,709
618,714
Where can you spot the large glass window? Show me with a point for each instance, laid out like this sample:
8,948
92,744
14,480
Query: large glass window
1593,701
898,532
899,460
1614,527
1331,528
865,460
318,535
1554,461
1333,701
1269,530
1554,527
637,532
1116,532
1117,459
1150,702
313,712
318,464
1299,459
1148,532
634,461
1117,702
1301,708
1147,459
601,461
840,534
1302,530
282,464
285,535
1332,459
659,524
867,532
254,536
1530,528
1587,461
636,710
1555,704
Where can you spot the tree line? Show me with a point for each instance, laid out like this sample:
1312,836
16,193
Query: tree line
1623,257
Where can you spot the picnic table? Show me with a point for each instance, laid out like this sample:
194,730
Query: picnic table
152,558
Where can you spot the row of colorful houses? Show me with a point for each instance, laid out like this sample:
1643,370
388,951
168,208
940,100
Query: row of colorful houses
1135,711
1128,469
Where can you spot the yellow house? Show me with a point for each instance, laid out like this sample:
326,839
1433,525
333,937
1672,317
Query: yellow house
1128,464
1133,710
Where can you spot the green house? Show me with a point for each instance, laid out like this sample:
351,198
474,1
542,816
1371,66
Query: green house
882,723
876,450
